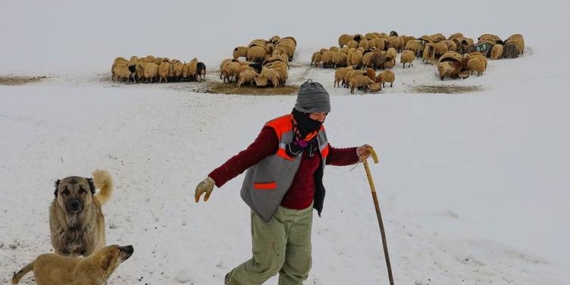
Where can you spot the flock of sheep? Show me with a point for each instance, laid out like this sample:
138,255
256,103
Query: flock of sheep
265,63
359,56
151,69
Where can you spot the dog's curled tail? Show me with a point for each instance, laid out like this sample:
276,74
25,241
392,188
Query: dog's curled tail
18,275
104,182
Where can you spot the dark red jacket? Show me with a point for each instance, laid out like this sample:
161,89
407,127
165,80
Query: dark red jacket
302,190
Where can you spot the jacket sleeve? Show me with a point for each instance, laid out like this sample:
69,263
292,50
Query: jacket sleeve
342,156
264,145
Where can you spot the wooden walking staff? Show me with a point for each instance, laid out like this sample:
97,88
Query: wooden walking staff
380,223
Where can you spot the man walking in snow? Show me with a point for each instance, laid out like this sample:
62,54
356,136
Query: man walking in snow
282,185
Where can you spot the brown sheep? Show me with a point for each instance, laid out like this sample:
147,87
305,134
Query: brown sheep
124,70
271,74
497,51
247,76
350,74
386,76
240,51
428,55
408,57
150,71
439,49
477,64
256,54
344,39
360,81
371,73
230,70
339,59
163,71
316,58
444,69
339,75
416,46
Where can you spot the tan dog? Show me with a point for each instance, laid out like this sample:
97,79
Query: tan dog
53,269
76,221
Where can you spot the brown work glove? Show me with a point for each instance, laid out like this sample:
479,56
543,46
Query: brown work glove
205,186
363,151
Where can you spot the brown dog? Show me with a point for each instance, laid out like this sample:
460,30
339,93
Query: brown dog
75,217
53,269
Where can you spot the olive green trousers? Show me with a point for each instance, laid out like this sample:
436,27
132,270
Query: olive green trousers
283,245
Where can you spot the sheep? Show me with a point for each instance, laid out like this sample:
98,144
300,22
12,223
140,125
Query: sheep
428,55
150,71
416,46
456,35
395,42
386,76
316,58
408,57
201,71
327,59
364,44
437,37
281,69
389,62
352,44
360,81
274,39
224,62
477,64
240,51
230,70
344,39
380,43
256,54
124,70
444,69
371,73
178,69
354,58
271,75
247,76
451,45
439,49
258,43
339,59
497,51
518,40
482,47
391,52
374,59
286,48
350,74
163,70
489,38
339,75
192,69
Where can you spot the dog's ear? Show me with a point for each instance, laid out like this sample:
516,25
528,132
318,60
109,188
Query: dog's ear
56,185
91,185
106,262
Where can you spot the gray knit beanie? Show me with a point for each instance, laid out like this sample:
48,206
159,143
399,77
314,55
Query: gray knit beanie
313,98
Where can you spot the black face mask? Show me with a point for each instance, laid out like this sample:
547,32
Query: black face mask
305,125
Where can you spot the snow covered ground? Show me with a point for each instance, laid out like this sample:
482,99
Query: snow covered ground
472,186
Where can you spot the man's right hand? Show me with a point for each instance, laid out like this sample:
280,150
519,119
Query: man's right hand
205,186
